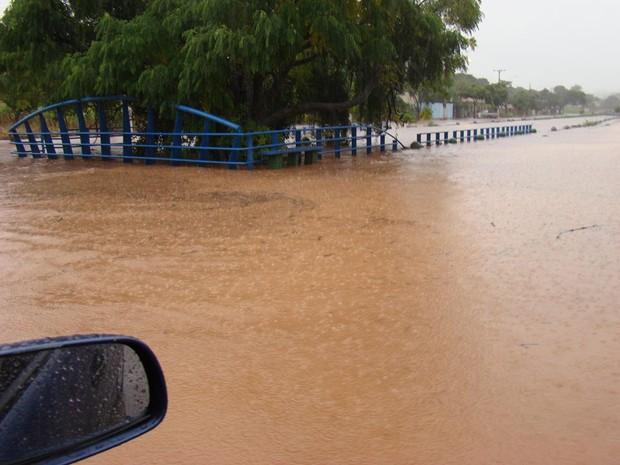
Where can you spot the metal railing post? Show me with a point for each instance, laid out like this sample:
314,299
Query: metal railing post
127,152
205,140
319,142
32,141
150,136
250,151
337,142
176,137
67,149
84,134
104,137
47,138
19,146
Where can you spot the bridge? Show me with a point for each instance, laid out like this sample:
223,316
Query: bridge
106,128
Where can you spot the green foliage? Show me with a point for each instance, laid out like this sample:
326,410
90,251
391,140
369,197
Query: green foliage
426,114
37,35
260,62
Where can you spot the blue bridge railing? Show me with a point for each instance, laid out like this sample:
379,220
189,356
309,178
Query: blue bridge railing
104,128
468,135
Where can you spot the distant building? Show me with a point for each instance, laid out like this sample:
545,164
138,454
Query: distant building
440,110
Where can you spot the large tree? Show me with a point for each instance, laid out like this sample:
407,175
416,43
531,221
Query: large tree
261,62
37,35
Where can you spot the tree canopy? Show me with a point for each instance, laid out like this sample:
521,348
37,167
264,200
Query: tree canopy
260,62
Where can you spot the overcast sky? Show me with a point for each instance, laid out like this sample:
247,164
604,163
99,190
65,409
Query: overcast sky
543,43
550,42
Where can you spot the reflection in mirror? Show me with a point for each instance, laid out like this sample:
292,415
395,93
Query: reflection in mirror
54,400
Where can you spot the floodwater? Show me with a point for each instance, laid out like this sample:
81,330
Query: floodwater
428,308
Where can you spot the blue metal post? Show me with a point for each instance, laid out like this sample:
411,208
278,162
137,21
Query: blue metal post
84,134
445,137
468,135
19,146
127,152
103,131
368,140
47,138
394,145
462,135
234,154
297,137
34,146
382,141
319,142
437,138
475,135
150,136
354,141
428,139
205,140
64,135
337,142
454,134
250,151
176,138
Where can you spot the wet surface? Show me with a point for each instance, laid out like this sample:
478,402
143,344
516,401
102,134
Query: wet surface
408,309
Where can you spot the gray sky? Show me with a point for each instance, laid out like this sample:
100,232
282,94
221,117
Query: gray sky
550,42
543,43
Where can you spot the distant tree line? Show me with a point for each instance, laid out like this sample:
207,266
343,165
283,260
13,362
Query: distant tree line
259,62
472,95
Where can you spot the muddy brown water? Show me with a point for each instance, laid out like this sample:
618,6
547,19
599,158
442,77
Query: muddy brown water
423,308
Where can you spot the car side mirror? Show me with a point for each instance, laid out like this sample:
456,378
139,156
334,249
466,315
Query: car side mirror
65,399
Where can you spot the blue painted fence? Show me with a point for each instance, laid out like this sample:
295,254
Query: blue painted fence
216,142
468,135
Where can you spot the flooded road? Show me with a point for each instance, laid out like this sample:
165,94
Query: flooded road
427,308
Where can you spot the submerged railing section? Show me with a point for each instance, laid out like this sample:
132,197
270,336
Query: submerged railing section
105,128
468,135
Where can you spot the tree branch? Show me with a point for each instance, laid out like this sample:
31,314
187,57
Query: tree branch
310,107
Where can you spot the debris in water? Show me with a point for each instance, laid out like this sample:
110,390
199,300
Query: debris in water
528,345
594,226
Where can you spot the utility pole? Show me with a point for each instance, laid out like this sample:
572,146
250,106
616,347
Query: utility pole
499,81
499,74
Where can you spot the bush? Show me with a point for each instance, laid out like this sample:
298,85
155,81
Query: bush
426,114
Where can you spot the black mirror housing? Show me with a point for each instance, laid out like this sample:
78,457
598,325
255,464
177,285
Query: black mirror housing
102,390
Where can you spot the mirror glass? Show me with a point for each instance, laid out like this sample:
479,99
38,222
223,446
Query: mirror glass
52,401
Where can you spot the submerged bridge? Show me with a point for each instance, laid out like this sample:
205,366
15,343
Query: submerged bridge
106,128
